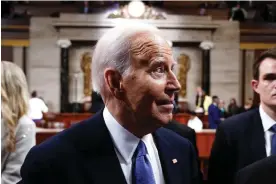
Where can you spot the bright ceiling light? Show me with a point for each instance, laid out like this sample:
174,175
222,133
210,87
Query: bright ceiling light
136,8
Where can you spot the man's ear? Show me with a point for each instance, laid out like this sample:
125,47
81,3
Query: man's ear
113,80
255,84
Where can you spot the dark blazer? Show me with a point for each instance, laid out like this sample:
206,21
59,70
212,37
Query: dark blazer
239,142
213,116
97,102
262,171
188,133
183,131
85,153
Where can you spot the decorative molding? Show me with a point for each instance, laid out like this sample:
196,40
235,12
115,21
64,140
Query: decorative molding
86,61
206,45
15,42
110,23
15,27
184,67
256,46
64,43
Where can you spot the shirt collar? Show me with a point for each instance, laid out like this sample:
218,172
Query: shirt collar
125,142
267,121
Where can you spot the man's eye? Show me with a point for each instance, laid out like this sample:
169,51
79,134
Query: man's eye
270,77
160,70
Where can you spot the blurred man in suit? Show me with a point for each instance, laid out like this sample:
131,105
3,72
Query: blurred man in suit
248,137
214,113
125,143
262,171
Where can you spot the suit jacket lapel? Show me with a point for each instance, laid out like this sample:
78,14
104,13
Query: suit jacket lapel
256,139
100,160
171,170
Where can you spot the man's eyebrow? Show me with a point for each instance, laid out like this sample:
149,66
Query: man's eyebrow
269,76
156,62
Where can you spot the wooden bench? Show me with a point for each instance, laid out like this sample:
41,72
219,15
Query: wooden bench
67,119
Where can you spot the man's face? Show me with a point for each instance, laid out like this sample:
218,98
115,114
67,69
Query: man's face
266,85
221,104
199,91
216,100
151,83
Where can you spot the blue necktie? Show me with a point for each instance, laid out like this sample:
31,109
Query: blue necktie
142,172
273,141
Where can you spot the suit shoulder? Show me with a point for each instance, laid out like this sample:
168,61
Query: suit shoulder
65,141
240,120
177,144
176,126
174,138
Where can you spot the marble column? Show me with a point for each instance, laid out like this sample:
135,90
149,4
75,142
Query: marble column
64,44
206,46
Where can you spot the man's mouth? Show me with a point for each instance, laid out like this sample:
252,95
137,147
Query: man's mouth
164,102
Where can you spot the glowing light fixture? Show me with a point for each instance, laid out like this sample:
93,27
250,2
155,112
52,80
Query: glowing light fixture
136,8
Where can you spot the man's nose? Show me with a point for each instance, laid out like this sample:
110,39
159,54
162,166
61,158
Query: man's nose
274,85
173,83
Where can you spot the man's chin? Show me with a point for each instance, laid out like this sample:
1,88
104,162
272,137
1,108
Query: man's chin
165,119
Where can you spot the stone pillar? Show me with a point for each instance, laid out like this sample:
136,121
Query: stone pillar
206,46
64,44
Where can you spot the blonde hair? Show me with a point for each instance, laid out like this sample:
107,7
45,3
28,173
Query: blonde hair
15,99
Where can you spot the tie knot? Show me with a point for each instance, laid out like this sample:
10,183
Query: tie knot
273,128
141,149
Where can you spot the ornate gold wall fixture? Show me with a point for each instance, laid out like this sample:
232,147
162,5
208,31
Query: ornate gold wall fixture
86,61
184,66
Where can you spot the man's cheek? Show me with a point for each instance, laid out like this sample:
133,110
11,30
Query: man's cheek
268,86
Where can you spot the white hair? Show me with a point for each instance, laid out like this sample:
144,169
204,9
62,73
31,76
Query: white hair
113,50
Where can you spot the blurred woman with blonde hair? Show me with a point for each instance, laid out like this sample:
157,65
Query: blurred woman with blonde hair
17,129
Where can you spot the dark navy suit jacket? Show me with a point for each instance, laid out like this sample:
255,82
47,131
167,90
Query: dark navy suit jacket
239,142
213,116
262,171
85,153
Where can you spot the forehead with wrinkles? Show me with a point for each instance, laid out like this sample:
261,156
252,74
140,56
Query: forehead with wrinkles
146,45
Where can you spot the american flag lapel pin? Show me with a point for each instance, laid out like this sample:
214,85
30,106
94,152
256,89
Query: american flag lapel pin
174,161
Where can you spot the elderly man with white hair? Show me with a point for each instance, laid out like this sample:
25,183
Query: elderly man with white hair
124,143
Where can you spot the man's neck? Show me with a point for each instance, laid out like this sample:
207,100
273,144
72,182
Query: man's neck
127,119
269,111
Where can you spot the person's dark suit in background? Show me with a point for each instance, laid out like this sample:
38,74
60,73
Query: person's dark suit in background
214,114
233,108
239,142
262,171
97,102
246,138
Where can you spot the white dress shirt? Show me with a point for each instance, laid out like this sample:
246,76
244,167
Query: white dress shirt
195,124
36,107
268,122
125,144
